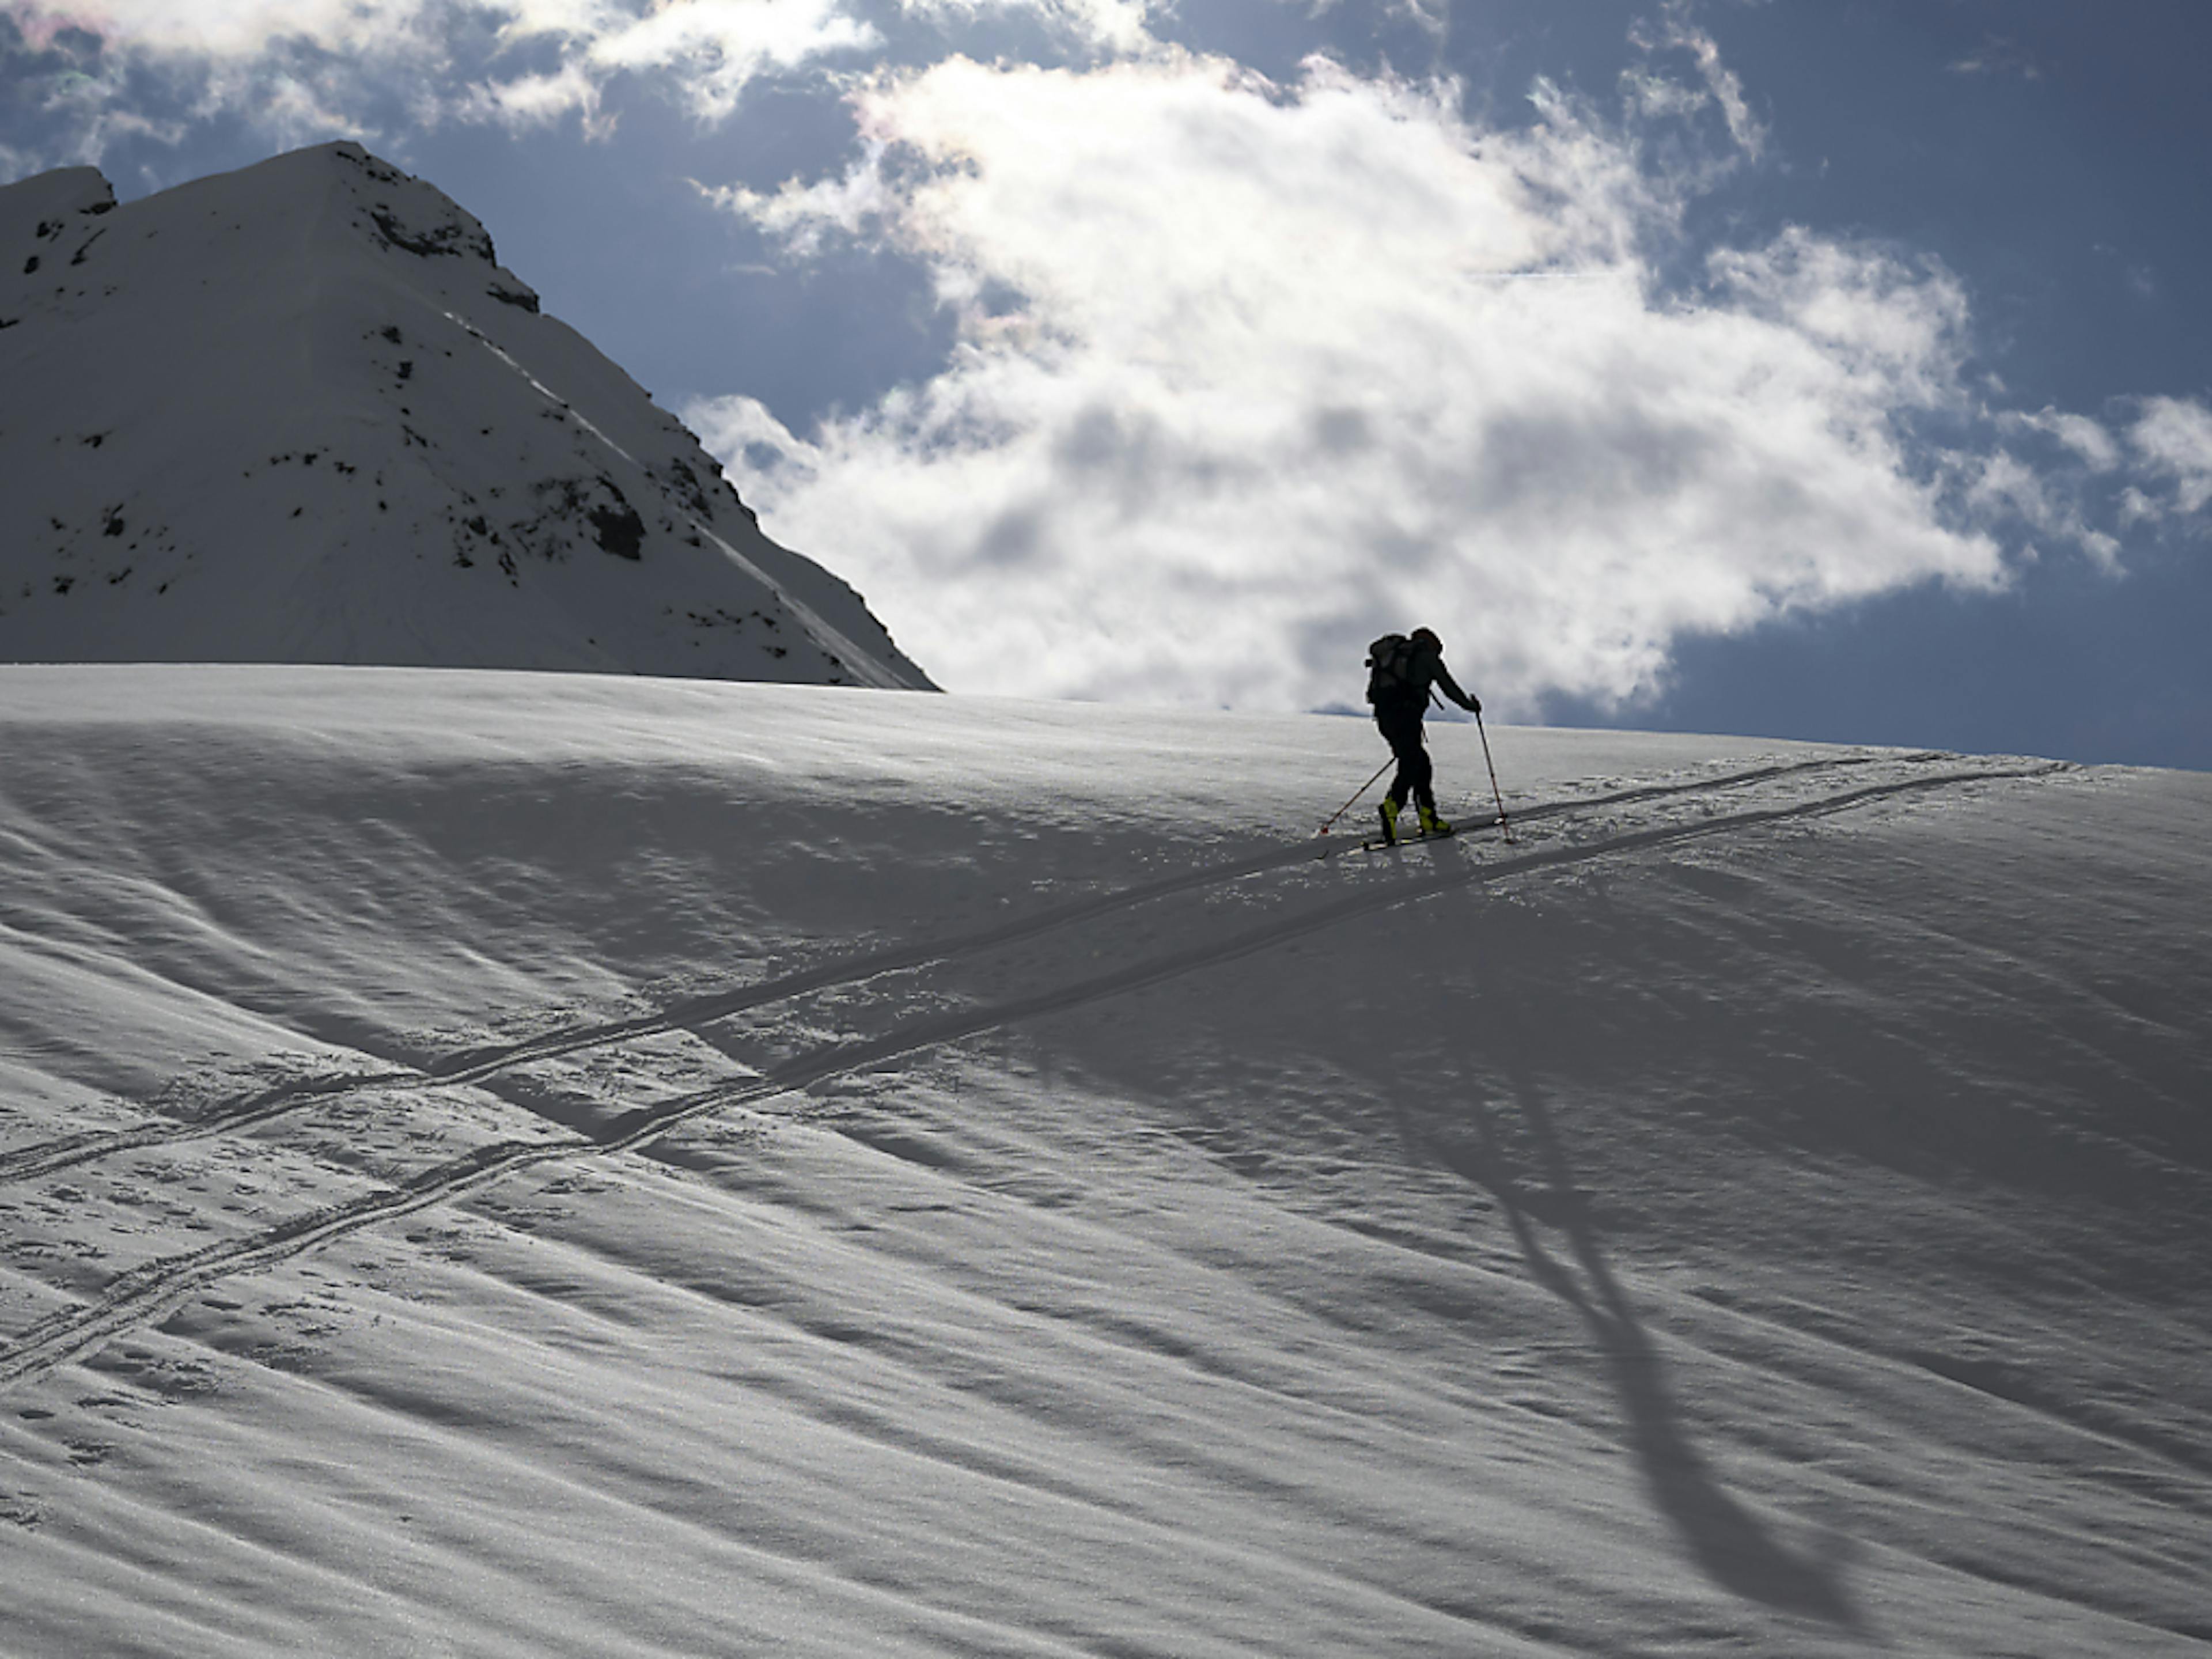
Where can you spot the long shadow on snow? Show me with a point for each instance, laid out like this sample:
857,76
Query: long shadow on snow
1727,1540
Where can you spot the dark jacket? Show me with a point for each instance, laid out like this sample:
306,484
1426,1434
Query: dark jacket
1424,669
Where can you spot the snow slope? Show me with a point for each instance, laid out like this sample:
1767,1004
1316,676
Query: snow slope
543,1165
299,413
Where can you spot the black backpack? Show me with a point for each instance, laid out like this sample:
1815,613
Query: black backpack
1390,670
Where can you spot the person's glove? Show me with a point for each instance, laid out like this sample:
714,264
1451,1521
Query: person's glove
1475,705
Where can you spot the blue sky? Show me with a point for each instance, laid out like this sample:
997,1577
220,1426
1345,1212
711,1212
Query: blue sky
1829,370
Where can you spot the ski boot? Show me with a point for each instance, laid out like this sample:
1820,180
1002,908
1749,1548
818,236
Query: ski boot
1390,810
1431,824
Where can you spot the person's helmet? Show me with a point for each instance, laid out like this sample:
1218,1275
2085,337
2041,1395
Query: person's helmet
1426,636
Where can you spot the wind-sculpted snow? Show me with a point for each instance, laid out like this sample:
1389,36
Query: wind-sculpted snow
474,1065
503,1163
300,413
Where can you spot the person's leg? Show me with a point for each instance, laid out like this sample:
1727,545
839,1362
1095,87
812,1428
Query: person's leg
1424,800
1404,737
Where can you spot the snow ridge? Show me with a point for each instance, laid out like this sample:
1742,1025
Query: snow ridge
142,1294
248,420
477,1064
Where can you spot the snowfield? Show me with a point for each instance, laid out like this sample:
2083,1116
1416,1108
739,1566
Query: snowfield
497,1164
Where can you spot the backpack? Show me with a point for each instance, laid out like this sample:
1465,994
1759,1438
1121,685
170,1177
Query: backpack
1390,670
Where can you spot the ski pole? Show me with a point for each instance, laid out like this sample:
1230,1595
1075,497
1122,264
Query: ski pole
1349,805
1494,793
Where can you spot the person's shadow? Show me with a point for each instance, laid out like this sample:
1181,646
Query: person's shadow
1727,1540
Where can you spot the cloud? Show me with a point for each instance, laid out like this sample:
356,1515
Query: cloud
2088,441
1999,55
1674,31
1247,372
2171,440
1119,27
214,28
716,48
1999,486
301,69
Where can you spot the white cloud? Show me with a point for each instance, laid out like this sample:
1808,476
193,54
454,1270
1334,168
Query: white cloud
1999,55
1246,374
276,62
527,101
716,48
1674,31
2173,442
2088,442
227,29
1999,486
1115,25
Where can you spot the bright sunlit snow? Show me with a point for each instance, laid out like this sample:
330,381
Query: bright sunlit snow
298,413
498,1164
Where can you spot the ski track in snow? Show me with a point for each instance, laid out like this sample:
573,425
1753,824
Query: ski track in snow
478,1064
144,1293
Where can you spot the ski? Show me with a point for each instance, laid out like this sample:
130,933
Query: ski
1376,844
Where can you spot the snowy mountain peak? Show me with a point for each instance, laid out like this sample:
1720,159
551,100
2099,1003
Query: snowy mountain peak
300,413
42,207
